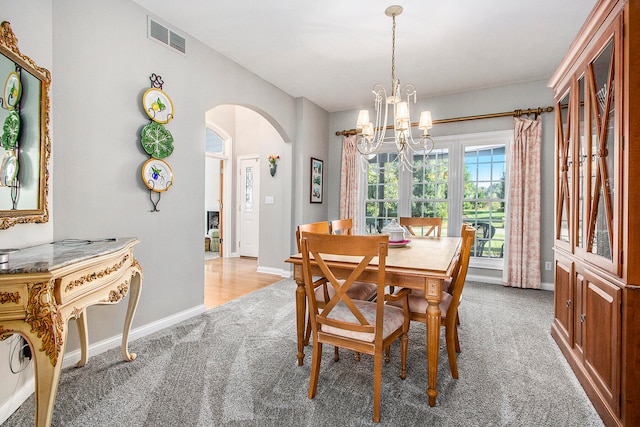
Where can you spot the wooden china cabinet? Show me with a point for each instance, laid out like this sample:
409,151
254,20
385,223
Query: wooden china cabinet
597,200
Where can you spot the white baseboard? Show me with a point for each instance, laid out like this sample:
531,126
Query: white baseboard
498,281
484,279
72,357
277,271
547,286
14,402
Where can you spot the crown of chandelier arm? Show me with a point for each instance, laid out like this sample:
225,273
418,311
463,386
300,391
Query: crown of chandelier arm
374,134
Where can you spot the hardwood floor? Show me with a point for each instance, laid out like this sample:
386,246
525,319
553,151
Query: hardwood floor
229,278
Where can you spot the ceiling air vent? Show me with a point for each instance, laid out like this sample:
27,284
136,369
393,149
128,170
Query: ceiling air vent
167,37
177,41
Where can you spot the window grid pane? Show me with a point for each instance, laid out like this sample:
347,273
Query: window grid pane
484,198
430,192
382,192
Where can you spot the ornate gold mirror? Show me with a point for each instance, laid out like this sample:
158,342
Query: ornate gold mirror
24,144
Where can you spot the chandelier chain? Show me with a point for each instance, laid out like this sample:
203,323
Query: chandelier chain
393,53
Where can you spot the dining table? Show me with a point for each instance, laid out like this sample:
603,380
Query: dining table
422,264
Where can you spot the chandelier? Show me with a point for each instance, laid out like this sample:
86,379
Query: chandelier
373,135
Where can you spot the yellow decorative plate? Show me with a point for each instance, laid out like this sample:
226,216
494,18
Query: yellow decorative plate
157,175
157,105
12,91
8,168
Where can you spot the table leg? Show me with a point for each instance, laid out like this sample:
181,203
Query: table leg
301,309
433,349
134,296
46,385
81,323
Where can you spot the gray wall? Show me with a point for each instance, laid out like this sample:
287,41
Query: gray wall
313,133
113,67
506,98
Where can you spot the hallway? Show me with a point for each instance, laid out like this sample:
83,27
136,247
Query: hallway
229,278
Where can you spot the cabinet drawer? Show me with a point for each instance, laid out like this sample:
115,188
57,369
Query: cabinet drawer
94,276
13,300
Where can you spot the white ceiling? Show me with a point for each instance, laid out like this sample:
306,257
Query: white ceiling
332,52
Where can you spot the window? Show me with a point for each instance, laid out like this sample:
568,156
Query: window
462,180
213,142
483,203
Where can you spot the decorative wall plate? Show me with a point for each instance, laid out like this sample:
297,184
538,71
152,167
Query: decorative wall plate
10,131
156,140
8,168
157,105
157,175
12,91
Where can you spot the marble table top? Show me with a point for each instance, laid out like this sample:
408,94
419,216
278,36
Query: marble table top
51,256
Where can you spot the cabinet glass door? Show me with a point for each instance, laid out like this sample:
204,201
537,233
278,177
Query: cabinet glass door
563,115
582,165
602,191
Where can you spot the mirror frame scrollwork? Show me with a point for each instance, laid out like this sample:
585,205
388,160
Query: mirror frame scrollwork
9,48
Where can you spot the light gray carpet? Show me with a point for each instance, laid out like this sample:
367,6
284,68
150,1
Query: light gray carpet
236,365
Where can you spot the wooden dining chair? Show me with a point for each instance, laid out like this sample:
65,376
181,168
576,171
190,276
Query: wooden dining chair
314,227
428,226
359,290
450,300
362,326
341,226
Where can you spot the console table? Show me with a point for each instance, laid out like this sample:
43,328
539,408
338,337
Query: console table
43,287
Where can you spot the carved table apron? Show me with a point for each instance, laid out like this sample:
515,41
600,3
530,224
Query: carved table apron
43,287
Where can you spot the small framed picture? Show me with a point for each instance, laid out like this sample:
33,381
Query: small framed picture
317,170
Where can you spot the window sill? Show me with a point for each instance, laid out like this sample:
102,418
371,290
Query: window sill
487,263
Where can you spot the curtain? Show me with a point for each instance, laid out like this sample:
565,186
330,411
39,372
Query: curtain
349,184
523,250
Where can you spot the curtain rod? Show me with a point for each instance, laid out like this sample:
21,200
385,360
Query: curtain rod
514,113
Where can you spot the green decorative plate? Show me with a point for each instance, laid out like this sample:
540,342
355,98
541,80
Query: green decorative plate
10,131
156,140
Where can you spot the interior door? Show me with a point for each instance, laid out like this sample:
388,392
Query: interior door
220,222
249,207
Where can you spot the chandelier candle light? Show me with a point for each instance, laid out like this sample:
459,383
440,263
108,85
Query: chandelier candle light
372,136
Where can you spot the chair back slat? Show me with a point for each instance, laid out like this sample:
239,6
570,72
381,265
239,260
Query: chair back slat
342,286
429,226
460,272
316,247
314,227
341,226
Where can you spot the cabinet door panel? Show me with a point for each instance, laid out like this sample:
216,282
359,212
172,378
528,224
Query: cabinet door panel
602,330
563,300
578,315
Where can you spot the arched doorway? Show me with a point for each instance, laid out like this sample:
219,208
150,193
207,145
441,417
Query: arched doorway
247,134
